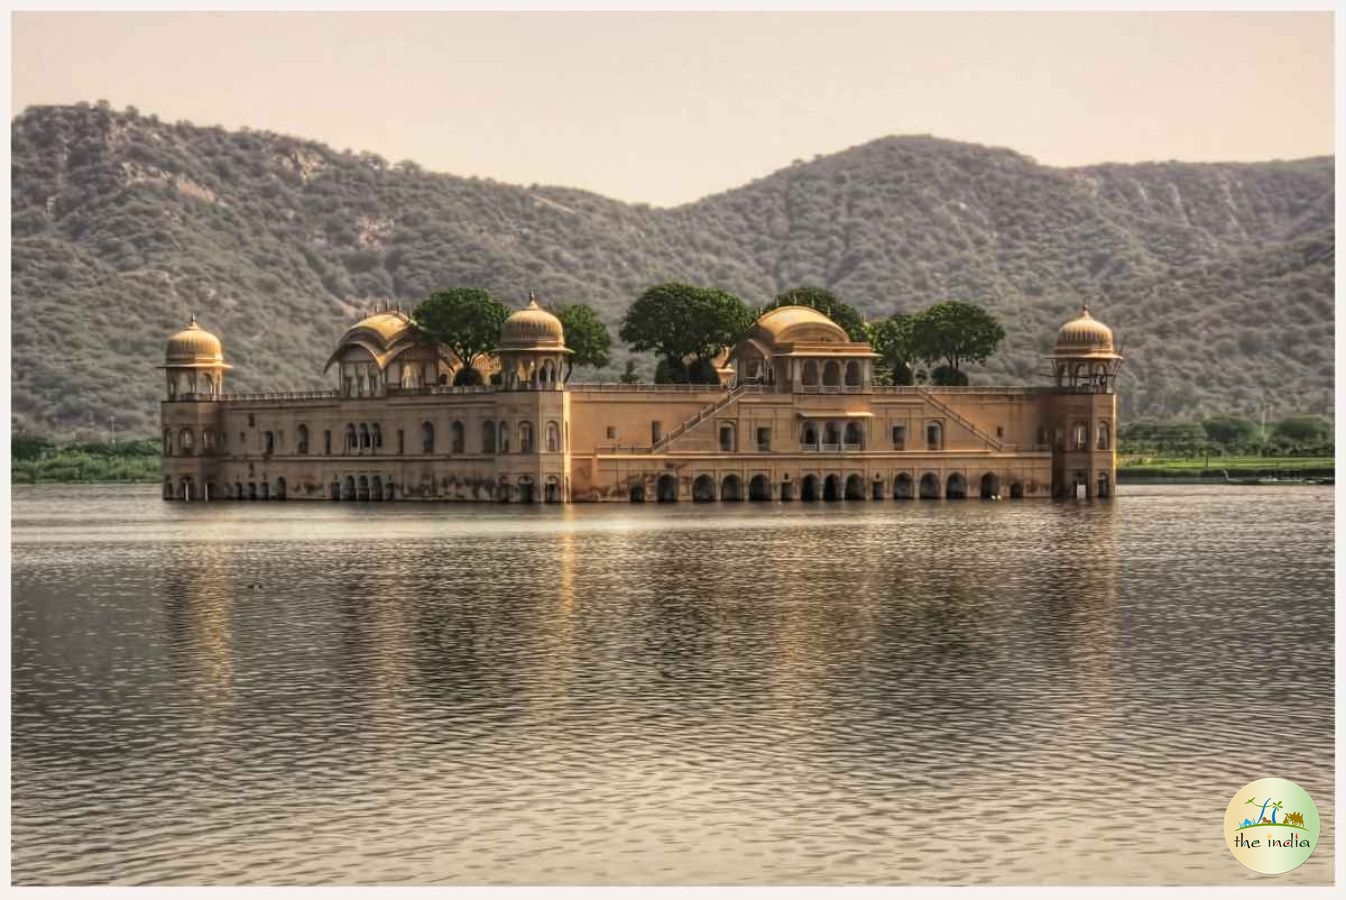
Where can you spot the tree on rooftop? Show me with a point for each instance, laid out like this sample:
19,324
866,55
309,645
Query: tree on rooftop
686,326
466,321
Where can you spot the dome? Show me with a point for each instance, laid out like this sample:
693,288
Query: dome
386,328
532,327
194,346
800,323
1084,336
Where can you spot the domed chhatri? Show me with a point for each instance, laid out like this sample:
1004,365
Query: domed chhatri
532,349
799,413
194,346
1085,336
532,327
194,364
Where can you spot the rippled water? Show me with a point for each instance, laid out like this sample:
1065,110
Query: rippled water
960,692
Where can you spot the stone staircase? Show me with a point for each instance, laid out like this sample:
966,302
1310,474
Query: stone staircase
705,413
960,419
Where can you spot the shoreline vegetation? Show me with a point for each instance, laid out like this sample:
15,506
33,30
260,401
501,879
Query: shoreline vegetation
39,461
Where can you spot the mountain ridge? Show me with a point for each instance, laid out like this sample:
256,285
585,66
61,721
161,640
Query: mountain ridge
123,224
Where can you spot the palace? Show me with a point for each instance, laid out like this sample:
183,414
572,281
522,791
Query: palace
797,416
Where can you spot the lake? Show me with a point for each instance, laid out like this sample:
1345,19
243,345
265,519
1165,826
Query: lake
865,692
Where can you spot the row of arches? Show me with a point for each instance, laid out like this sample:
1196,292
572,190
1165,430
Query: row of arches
495,437
831,373
705,488
186,488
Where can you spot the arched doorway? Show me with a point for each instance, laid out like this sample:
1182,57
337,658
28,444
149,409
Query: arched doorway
527,490
348,488
929,486
759,488
252,490
903,489
667,488
389,492
956,487
280,488
990,486
237,490
831,488
362,488
264,490
855,487
703,489
551,491
809,491
1016,491
376,488
731,488
637,493
168,487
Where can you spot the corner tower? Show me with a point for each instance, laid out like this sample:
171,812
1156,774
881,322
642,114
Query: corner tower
1083,407
194,370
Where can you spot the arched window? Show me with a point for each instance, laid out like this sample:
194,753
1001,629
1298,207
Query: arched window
1081,441
351,439
853,373
525,437
168,442
810,436
427,438
853,433
208,384
553,438
376,434
1104,436
186,441
934,436
810,372
488,436
303,439
364,436
831,433
503,443
727,438
832,373
456,439
269,441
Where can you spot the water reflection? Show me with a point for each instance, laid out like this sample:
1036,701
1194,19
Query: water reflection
880,693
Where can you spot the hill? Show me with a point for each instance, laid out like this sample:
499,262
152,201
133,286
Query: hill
1217,277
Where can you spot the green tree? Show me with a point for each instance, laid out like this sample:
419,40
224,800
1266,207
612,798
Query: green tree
684,322
947,376
629,376
586,336
825,302
1231,431
466,321
894,342
1304,430
956,333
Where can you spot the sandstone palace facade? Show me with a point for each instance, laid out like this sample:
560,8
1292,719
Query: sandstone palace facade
796,417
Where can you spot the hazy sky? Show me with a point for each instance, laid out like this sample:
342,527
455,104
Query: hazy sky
668,107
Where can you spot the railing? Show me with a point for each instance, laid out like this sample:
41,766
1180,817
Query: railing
619,387
428,389
271,395
1021,391
832,389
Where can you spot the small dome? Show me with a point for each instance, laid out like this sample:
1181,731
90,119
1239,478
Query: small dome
530,327
1084,336
194,345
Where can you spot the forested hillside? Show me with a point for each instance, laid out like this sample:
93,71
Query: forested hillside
1217,278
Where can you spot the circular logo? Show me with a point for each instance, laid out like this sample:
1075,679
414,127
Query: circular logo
1271,825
